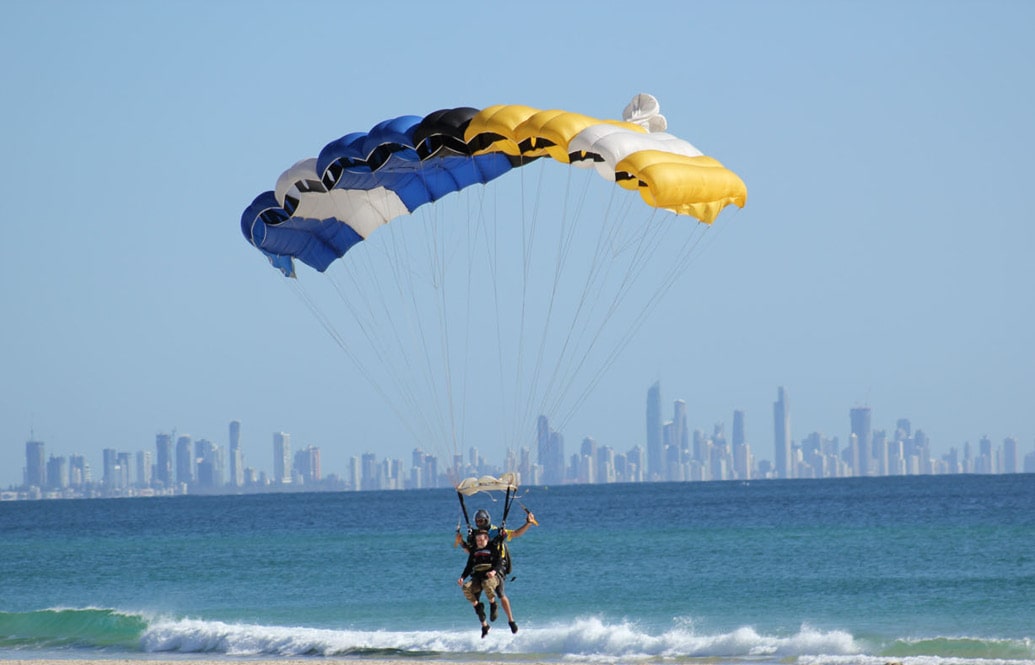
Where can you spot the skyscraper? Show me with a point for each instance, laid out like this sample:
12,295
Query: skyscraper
370,472
307,465
57,473
1010,462
550,452
208,465
680,428
78,471
281,458
185,460
164,460
236,457
741,451
35,465
738,428
111,474
782,435
655,451
860,418
143,468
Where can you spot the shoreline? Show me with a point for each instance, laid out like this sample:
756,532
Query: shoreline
122,660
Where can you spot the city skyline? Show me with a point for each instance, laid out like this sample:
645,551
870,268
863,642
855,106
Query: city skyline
671,451
871,264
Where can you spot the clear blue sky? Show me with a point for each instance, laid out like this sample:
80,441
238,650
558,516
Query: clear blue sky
884,256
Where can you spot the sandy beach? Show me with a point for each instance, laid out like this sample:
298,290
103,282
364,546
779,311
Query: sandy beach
225,661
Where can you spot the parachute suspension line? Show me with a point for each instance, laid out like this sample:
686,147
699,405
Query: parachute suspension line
391,243
373,295
530,233
440,261
367,303
404,277
688,251
486,217
639,260
565,240
477,234
442,380
566,369
573,353
376,344
328,326
528,229
460,426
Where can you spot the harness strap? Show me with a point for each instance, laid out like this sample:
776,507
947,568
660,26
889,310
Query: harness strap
506,509
463,509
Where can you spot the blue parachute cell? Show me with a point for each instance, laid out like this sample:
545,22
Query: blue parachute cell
363,180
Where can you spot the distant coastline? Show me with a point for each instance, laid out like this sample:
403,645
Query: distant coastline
122,660
144,493
672,452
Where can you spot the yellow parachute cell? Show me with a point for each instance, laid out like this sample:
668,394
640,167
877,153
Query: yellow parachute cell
668,172
697,186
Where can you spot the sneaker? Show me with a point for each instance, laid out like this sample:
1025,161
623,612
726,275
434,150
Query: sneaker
494,611
485,630
513,627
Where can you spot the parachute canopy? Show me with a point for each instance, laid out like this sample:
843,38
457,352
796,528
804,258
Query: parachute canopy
495,304
323,206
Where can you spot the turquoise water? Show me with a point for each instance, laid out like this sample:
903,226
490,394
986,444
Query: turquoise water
913,570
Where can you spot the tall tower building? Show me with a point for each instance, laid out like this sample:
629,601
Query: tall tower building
588,467
1010,461
680,428
307,465
741,451
637,462
985,462
209,465
236,457
860,417
78,472
144,468
110,476
185,460
550,451
57,473
35,464
655,448
370,472
782,435
355,474
164,460
122,462
281,458
738,429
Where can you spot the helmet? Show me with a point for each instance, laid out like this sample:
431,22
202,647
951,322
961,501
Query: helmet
482,519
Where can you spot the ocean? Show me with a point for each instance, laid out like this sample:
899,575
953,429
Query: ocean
935,570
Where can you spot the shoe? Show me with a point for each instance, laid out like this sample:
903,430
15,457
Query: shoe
485,630
494,611
513,627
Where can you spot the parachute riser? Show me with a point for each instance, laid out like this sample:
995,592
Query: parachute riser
506,508
463,509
